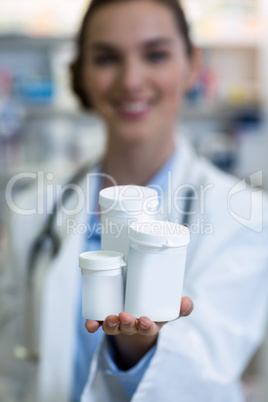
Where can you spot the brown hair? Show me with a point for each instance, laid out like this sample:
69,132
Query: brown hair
76,66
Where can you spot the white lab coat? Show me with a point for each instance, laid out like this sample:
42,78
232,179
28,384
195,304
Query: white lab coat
198,358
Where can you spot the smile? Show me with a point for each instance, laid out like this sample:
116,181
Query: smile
133,109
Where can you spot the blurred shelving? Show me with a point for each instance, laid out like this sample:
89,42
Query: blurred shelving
223,42
219,111
41,85
230,34
41,17
24,41
201,110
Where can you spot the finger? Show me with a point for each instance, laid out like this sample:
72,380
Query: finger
147,327
128,324
187,306
111,325
92,326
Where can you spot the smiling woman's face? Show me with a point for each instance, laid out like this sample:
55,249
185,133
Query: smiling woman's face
136,69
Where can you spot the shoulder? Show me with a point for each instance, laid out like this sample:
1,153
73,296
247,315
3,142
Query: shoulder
227,212
241,201
225,193
30,209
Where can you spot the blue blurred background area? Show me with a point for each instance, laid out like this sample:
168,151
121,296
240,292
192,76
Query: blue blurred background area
224,116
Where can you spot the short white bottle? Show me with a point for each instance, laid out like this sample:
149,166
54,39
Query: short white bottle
102,284
120,206
156,266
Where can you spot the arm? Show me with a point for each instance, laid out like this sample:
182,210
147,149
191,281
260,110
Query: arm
123,359
133,338
204,356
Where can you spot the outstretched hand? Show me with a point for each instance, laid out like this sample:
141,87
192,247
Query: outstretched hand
126,324
144,332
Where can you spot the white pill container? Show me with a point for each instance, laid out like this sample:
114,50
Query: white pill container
102,284
156,266
120,206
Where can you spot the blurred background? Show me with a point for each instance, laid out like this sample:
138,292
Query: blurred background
224,116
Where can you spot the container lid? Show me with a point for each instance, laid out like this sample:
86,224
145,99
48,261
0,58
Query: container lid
159,234
128,199
101,260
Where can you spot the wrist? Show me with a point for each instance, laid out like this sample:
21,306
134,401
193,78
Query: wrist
127,350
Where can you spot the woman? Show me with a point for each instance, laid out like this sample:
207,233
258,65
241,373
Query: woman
135,63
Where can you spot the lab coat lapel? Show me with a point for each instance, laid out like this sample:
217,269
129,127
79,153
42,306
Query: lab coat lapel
185,174
59,310
59,323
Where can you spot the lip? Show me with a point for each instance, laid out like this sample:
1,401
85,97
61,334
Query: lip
133,109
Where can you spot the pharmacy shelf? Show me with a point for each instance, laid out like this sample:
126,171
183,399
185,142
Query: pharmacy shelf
11,41
26,41
223,42
201,110
216,111
50,111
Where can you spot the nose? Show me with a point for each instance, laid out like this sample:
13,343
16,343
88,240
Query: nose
131,76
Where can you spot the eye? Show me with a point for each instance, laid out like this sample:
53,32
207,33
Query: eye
157,56
106,60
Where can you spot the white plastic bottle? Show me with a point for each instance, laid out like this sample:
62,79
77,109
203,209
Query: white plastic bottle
120,206
102,284
156,265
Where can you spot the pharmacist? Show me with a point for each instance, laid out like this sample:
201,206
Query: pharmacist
135,62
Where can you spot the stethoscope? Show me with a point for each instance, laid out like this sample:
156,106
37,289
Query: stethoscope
49,242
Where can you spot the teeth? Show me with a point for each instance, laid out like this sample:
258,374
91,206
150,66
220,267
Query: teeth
134,107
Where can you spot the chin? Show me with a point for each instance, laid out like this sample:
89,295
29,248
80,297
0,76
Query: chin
132,135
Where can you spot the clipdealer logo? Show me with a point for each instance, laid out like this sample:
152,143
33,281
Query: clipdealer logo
254,209
248,212
66,201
